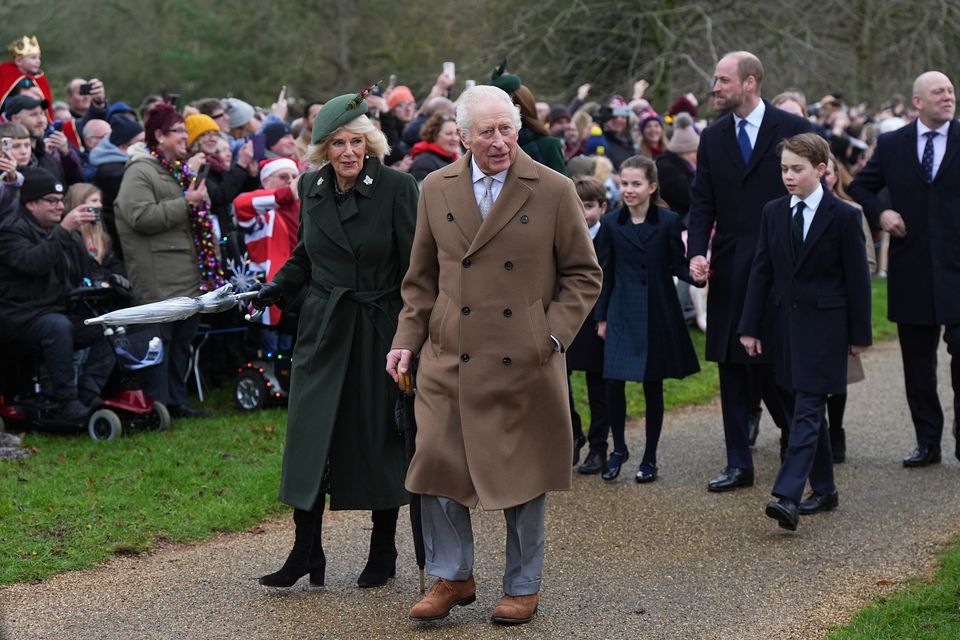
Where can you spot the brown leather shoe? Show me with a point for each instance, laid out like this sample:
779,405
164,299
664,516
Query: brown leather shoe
516,609
443,596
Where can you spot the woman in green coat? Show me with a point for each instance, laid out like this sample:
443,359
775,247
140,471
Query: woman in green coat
357,219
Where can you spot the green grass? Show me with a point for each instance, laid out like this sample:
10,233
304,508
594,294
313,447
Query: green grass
75,502
921,611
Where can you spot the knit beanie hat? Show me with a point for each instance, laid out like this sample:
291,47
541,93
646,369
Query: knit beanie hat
123,130
596,143
37,183
239,112
683,104
685,138
400,94
273,132
197,125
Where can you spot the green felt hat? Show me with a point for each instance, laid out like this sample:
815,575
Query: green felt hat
503,80
338,112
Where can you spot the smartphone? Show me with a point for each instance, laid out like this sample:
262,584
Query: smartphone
6,145
450,69
202,173
86,88
174,99
96,211
469,84
393,81
259,145
58,125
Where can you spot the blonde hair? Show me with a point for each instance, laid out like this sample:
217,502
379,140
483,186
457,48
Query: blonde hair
95,238
376,142
602,168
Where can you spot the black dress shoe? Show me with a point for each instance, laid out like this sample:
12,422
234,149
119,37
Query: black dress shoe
753,425
186,411
785,513
614,462
731,479
817,502
646,473
922,456
578,445
595,463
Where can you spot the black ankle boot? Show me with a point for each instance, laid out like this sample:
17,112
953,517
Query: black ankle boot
382,560
307,553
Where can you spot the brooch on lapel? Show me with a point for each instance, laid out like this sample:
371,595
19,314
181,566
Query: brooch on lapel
320,181
367,180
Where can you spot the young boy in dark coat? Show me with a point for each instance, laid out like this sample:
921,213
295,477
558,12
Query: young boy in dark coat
811,258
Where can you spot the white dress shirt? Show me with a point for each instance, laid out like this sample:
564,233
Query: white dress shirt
753,123
810,205
939,143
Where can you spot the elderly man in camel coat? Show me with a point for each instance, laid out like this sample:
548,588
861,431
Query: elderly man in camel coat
502,275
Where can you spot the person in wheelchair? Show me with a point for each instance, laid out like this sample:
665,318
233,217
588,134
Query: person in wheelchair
39,258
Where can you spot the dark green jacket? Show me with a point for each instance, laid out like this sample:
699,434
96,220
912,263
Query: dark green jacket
547,150
351,259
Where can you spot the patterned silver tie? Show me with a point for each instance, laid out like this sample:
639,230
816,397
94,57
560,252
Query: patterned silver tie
486,202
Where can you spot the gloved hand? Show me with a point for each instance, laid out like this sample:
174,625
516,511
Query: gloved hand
119,281
269,294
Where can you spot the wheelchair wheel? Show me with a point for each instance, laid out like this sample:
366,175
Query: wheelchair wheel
250,391
160,418
104,424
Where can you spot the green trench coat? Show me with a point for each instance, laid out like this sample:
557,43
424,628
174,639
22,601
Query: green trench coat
352,259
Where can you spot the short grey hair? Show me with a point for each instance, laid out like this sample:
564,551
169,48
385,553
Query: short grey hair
482,94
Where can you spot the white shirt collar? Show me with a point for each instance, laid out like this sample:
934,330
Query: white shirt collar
594,229
480,175
811,202
755,117
922,129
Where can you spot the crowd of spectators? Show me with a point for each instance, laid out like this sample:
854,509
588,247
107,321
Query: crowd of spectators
130,172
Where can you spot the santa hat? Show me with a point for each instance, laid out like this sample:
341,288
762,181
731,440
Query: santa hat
272,165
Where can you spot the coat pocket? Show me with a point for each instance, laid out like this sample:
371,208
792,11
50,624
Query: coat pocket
541,331
437,319
831,302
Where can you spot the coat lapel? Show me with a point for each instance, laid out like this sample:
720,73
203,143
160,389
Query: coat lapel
821,220
728,139
637,235
953,147
910,131
461,202
766,135
514,194
320,208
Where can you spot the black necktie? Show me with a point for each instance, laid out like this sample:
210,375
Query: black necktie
797,227
926,162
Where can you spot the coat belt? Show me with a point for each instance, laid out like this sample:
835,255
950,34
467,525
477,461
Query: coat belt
383,323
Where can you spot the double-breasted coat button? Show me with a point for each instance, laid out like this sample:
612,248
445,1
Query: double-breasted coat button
465,311
508,265
524,219
465,357
466,263
450,217
507,313
507,361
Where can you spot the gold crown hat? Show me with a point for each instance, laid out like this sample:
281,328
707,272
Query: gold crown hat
25,46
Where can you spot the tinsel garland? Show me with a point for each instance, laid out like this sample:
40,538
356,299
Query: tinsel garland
204,238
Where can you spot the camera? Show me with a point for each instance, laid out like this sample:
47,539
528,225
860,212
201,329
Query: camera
86,88
96,211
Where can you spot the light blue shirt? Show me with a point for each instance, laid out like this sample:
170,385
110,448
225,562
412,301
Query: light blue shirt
810,205
939,143
753,123
478,177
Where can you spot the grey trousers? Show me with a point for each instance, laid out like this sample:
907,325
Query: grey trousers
448,541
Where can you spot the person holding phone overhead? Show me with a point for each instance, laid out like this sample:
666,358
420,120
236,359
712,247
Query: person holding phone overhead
357,224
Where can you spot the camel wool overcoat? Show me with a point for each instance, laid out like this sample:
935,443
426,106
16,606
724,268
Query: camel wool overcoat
482,299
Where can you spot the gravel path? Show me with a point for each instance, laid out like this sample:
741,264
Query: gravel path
667,560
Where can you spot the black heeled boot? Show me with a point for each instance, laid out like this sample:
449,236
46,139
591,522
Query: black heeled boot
382,560
307,553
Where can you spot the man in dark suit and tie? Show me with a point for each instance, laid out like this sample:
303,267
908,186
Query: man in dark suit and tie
738,172
811,258
918,165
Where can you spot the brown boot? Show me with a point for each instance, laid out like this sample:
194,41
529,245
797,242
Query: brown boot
443,596
516,609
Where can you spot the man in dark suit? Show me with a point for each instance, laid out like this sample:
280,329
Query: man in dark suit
918,165
811,258
738,171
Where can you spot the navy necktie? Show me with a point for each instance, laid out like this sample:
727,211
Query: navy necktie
797,228
926,162
744,141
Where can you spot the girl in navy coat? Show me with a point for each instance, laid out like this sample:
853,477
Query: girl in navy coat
638,313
